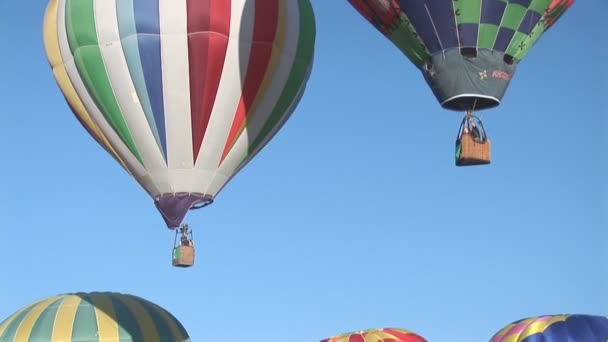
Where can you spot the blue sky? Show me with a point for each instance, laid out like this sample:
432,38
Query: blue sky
353,217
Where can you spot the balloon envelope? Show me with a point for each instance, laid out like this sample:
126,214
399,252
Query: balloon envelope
467,50
377,335
555,328
92,317
181,93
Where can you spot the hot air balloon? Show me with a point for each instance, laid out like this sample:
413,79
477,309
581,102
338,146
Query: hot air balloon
183,94
377,335
555,328
467,51
93,317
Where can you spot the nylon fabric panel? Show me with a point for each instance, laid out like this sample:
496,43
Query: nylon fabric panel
387,17
178,333
51,45
208,33
283,57
64,322
265,14
107,326
163,330
296,63
419,15
529,22
176,92
299,73
147,25
27,323
468,15
377,335
130,41
132,164
145,324
228,96
84,46
85,322
443,19
118,74
43,328
11,327
552,11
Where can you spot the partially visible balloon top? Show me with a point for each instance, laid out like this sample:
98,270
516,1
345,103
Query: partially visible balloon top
377,335
555,328
421,29
93,317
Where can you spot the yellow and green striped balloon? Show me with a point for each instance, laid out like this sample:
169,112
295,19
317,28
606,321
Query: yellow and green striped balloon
89,317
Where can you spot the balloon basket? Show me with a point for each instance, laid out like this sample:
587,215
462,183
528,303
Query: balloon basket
183,256
470,152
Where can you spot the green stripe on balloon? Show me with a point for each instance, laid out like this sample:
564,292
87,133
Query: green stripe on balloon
306,42
406,39
487,36
518,42
513,16
82,39
43,327
126,319
539,6
85,320
530,41
11,329
162,327
468,12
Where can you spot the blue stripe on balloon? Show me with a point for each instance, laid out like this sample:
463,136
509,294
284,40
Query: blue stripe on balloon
492,11
503,39
416,11
444,21
147,24
468,34
138,62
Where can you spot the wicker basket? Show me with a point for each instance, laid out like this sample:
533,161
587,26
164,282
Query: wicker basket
183,256
469,152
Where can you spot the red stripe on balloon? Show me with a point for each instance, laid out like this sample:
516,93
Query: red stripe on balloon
264,32
356,338
405,337
208,30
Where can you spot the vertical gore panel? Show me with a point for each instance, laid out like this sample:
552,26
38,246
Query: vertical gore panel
419,15
82,39
208,29
264,32
306,41
444,22
147,25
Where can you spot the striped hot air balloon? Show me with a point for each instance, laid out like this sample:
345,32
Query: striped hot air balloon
183,94
377,335
93,317
555,328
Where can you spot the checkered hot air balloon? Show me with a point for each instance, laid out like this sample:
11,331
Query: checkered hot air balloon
183,94
377,335
467,50
555,328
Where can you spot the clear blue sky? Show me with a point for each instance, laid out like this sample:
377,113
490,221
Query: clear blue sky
353,217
